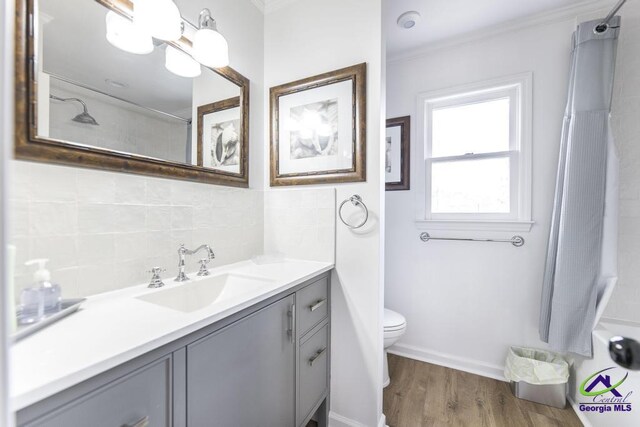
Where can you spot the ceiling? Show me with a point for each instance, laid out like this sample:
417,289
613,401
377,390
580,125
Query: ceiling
445,19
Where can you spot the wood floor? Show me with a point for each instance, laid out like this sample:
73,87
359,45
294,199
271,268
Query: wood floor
421,394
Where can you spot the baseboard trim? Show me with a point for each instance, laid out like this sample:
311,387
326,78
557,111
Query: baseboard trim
449,361
581,416
337,420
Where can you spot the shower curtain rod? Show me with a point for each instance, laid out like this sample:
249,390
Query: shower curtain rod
604,25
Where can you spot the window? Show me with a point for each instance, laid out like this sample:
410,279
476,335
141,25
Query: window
477,155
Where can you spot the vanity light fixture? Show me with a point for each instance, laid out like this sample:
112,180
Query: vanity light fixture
181,64
210,48
125,35
159,18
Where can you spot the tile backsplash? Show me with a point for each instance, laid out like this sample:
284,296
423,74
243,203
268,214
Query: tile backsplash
102,231
301,223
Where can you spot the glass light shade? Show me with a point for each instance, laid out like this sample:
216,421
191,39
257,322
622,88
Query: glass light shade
124,35
210,48
160,18
180,63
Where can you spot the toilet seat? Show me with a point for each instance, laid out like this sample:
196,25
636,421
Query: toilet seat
393,321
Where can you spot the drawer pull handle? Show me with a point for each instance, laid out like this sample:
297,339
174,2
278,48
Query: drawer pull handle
143,422
291,314
318,304
316,356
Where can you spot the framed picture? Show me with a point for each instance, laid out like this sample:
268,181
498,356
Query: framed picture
397,154
318,129
219,143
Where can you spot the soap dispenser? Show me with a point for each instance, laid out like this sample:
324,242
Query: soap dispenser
42,297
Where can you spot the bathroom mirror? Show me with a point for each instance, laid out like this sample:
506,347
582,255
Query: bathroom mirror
91,94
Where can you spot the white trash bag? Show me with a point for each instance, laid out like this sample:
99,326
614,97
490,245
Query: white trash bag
536,366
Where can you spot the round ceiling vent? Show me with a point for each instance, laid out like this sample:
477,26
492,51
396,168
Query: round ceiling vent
408,19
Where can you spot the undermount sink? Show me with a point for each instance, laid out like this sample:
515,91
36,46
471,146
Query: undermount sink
196,295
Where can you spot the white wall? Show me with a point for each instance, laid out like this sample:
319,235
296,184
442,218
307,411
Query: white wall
302,39
103,230
625,301
466,302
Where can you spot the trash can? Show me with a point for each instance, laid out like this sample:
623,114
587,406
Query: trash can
538,375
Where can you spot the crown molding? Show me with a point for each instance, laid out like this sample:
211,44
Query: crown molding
557,15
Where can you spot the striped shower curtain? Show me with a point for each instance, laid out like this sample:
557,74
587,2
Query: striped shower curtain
580,256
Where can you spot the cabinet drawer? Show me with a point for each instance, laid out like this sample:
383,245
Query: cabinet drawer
143,395
312,305
313,362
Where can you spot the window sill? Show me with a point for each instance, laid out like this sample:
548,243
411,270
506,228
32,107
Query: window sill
477,225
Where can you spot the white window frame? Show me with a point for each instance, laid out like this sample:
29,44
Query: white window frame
518,89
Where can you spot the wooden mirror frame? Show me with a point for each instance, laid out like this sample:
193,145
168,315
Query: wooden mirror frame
29,146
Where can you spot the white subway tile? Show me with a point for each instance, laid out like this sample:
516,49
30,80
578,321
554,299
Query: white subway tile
95,279
52,183
182,218
158,191
130,189
96,186
18,218
96,248
130,246
53,218
130,218
61,251
158,218
96,218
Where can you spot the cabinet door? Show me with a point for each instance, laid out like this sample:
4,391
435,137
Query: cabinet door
243,375
141,398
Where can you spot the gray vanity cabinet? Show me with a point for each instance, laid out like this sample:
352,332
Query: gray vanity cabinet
143,397
313,365
265,366
243,374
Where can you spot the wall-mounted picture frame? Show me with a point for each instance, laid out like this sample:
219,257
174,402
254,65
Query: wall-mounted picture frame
318,129
398,154
219,144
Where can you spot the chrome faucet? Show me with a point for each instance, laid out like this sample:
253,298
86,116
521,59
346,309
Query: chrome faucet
156,280
183,252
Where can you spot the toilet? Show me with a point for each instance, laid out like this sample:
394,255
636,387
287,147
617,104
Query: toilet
395,326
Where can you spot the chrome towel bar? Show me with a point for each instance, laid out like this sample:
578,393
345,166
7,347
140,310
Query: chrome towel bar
516,241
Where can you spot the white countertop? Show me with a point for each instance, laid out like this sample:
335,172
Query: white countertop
115,327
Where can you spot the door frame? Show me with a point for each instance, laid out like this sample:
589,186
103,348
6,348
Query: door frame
6,138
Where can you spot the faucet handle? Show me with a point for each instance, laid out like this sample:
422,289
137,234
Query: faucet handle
156,280
157,270
203,267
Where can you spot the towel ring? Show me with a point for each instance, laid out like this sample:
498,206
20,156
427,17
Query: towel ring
356,200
